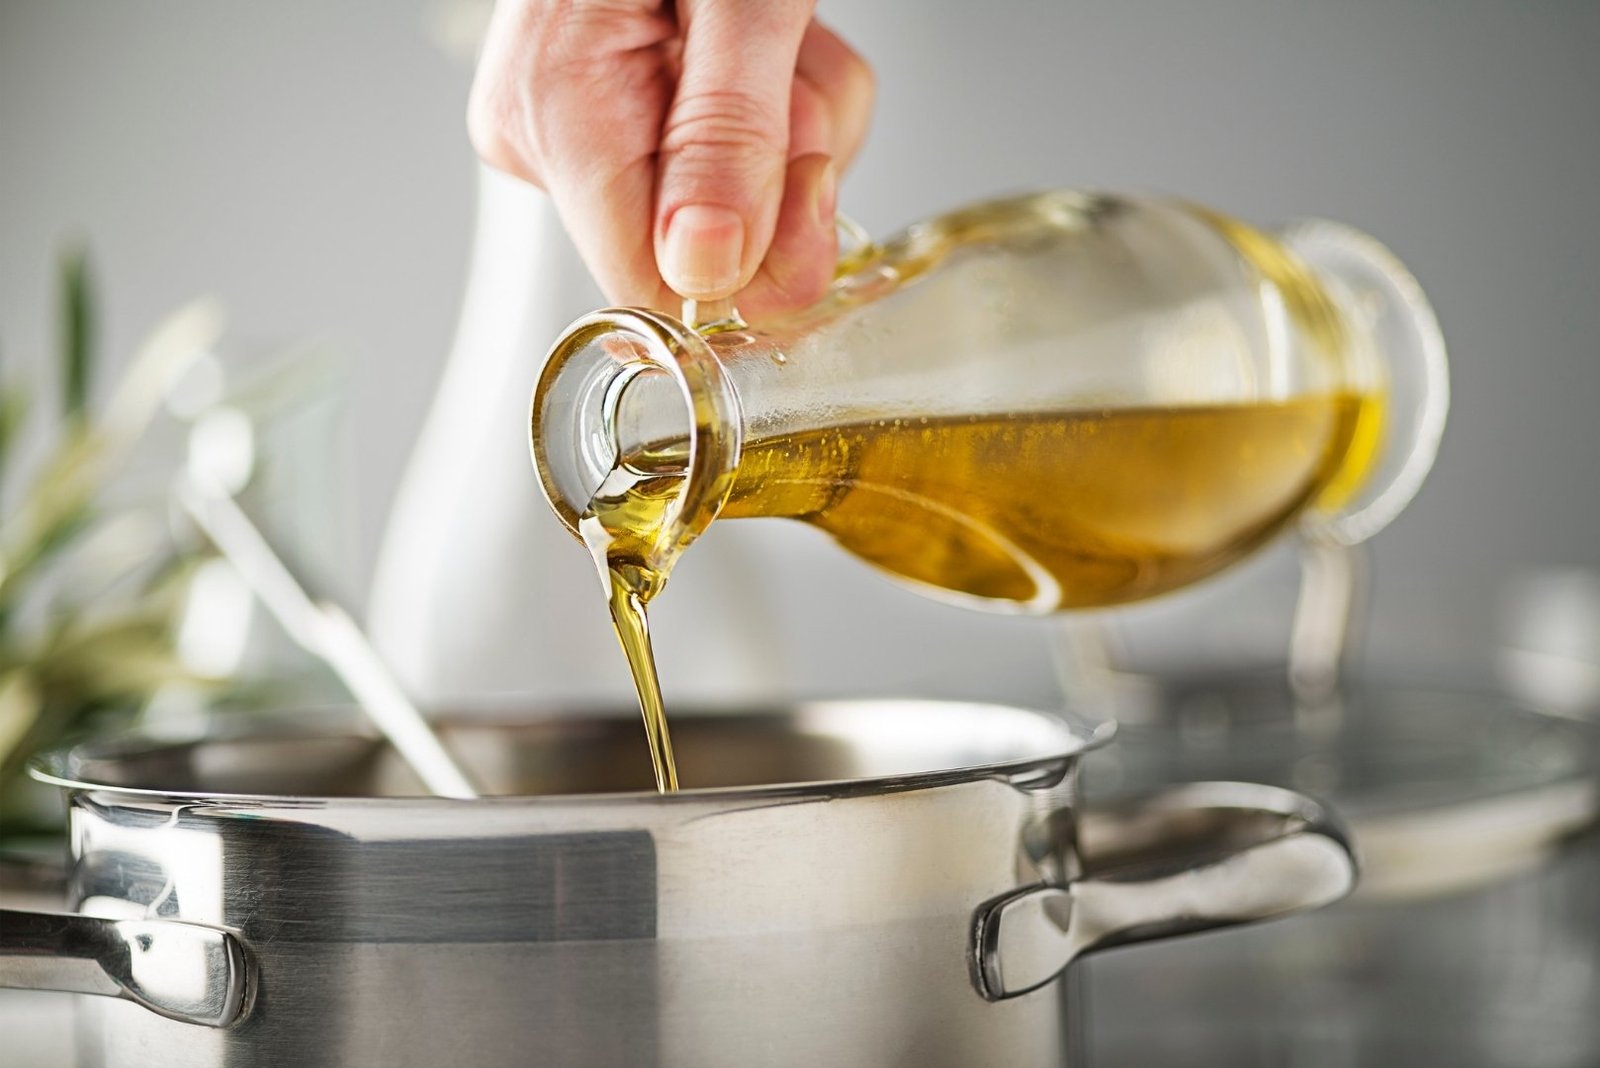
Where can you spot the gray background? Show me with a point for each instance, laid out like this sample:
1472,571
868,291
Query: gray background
306,161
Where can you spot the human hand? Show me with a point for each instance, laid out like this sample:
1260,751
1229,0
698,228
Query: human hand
691,148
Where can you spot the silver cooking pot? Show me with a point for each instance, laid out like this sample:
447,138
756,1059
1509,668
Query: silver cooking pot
283,897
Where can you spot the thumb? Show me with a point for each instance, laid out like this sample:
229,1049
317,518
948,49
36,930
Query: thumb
725,143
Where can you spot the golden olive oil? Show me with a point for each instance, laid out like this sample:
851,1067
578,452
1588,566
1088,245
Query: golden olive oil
1031,511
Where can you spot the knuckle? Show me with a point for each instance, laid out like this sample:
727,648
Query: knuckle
601,17
720,125
494,128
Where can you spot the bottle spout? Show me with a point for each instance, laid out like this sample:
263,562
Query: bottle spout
625,387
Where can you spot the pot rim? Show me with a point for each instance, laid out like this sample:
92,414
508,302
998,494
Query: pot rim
1060,738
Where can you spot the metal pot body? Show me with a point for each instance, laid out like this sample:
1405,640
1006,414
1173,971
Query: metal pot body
908,906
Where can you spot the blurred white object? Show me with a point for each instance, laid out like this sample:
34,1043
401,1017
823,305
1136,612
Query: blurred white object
216,620
222,448
323,629
1550,640
479,590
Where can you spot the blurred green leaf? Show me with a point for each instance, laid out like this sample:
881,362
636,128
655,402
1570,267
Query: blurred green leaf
13,416
19,711
123,657
77,332
91,588
122,554
175,343
60,502
56,508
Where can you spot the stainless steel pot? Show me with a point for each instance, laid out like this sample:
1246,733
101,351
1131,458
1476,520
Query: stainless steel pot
281,898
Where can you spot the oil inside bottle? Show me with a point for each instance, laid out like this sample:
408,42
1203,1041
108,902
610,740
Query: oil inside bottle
1029,512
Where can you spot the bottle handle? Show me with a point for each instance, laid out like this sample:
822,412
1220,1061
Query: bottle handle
714,316
1396,345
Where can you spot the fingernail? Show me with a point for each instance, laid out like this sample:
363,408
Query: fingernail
700,255
827,195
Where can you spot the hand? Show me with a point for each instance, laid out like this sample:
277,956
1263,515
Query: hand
691,148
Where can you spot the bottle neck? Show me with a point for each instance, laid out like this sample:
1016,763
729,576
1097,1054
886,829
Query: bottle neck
637,390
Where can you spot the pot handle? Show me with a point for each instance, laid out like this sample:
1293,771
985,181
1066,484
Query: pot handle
185,971
1188,859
